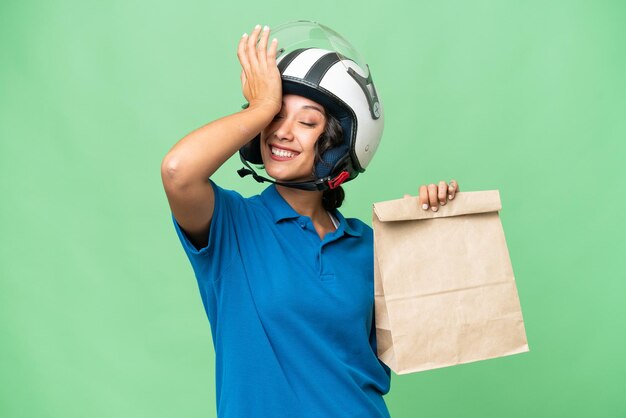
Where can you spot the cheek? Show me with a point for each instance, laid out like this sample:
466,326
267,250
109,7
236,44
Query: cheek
263,141
314,145
264,150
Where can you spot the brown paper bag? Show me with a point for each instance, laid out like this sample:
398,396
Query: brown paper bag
444,287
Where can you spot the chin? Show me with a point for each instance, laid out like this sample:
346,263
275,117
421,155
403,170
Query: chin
285,172
285,175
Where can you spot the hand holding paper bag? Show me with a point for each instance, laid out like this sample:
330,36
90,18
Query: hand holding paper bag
444,287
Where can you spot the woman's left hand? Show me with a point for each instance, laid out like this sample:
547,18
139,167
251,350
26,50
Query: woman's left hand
433,195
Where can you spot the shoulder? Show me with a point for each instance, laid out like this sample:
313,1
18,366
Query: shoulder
232,199
227,194
233,216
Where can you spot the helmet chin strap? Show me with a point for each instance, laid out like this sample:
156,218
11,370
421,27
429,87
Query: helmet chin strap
314,185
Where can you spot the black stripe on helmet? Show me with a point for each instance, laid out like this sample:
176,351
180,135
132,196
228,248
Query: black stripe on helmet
284,63
319,69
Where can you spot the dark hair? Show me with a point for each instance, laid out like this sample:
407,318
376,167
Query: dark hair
331,137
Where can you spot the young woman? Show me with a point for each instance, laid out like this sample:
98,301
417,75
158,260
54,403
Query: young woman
286,280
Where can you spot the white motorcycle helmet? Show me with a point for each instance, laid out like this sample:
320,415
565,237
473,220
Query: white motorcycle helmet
317,63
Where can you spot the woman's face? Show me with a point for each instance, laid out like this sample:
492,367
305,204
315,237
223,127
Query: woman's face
288,142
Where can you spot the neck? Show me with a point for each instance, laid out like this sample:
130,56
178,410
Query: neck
305,202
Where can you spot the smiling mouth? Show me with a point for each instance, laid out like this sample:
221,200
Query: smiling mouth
282,154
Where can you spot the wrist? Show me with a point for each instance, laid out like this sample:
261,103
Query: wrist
265,106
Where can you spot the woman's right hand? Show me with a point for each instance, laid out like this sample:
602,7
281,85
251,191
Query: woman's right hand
195,158
260,78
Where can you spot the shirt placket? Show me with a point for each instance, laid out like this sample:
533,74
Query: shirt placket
319,245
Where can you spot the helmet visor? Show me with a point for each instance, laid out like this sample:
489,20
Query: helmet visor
306,34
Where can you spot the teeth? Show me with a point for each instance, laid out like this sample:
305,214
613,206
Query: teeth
283,153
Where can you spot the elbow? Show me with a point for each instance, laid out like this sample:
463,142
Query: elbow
172,173
169,168
179,174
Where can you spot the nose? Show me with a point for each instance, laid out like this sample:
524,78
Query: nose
283,129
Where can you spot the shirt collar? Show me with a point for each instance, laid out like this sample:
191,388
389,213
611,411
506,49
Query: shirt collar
280,210
343,224
277,206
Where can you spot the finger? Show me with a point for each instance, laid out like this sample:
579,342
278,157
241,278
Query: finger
271,54
251,46
423,196
241,51
452,189
442,192
432,197
262,48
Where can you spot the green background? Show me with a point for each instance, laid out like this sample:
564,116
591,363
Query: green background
100,315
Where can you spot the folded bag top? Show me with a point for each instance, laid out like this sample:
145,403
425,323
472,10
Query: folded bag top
464,203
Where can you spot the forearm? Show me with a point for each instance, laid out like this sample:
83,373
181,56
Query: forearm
198,155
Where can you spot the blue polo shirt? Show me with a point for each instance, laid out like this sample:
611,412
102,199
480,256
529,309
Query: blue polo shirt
291,315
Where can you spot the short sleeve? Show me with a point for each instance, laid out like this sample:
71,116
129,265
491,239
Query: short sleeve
210,261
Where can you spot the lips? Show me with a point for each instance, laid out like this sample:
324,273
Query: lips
282,154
